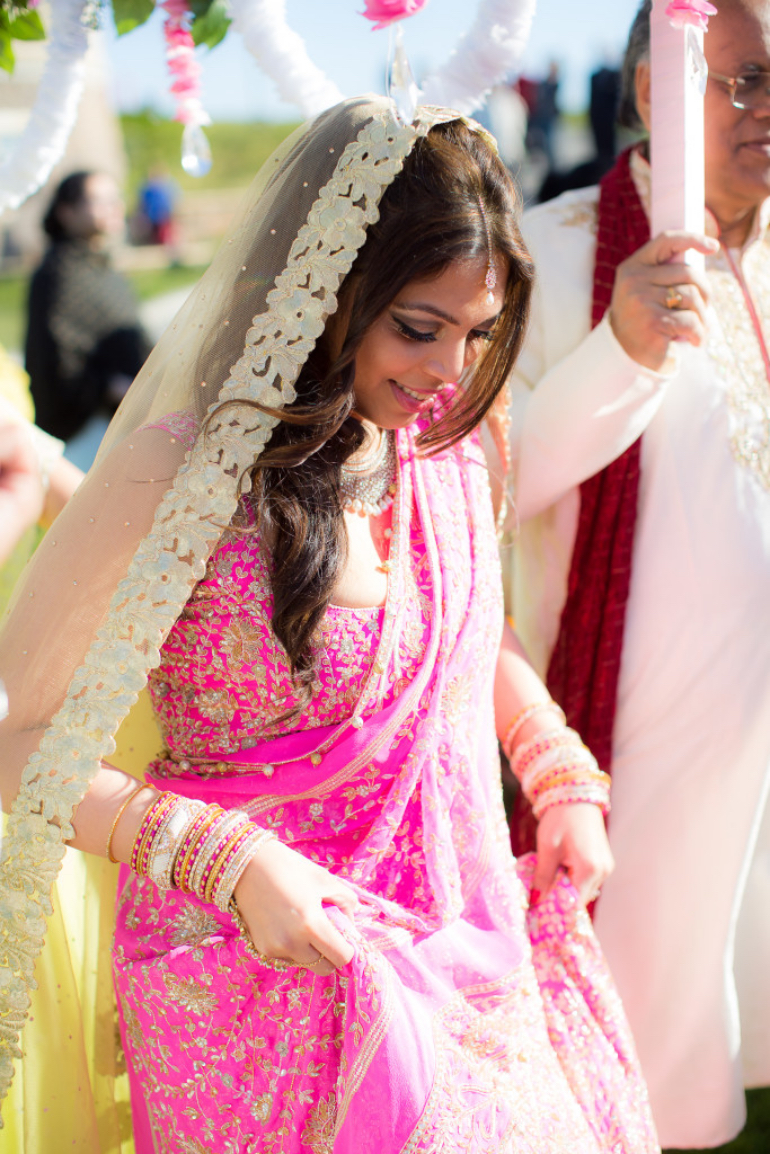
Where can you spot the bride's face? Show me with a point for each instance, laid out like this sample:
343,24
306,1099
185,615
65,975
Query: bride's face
425,339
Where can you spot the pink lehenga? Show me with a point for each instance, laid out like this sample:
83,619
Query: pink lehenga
466,1022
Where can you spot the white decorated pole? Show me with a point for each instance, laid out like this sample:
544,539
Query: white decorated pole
679,75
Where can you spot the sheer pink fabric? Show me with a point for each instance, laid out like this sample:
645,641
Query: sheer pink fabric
464,1022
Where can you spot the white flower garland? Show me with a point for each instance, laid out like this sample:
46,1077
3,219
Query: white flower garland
281,53
53,115
486,55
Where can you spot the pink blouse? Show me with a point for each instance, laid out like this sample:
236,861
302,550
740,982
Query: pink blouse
224,681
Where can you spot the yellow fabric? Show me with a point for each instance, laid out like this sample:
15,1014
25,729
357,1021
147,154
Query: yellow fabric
14,386
70,1090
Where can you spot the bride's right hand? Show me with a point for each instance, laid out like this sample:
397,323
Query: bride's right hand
280,897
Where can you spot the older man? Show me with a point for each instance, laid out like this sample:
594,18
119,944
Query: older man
641,578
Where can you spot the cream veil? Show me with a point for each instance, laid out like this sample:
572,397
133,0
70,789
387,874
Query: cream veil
115,571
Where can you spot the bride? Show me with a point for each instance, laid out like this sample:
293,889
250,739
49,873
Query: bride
322,942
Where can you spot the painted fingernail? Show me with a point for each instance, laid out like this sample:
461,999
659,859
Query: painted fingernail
534,897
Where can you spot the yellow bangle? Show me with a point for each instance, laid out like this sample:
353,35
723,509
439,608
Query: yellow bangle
118,816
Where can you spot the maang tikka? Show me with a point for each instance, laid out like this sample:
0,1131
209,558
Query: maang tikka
490,280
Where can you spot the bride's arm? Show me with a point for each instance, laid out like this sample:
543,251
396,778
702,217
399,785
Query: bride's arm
573,835
46,639
280,895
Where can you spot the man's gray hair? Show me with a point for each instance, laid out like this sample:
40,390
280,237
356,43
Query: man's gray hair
638,49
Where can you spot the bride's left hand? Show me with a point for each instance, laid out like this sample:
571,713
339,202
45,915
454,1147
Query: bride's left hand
573,837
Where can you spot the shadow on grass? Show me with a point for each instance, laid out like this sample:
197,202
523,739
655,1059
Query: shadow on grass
755,1138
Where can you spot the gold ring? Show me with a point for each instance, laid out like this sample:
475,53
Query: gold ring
673,298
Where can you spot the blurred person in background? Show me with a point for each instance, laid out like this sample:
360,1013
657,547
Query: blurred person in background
603,113
544,114
641,438
84,342
156,207
603,104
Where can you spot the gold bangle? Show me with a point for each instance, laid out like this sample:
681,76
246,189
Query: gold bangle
521,719
117,818
226,845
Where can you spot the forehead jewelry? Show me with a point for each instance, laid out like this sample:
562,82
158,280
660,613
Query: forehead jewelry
490,280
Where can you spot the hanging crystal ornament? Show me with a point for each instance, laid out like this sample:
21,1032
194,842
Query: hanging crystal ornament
186,71
401,86
196,151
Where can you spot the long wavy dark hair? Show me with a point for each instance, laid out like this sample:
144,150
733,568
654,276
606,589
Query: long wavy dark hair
430,216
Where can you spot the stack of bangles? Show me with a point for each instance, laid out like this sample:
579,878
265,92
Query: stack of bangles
186,845
554,767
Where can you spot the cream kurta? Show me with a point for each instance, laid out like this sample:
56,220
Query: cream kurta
685,919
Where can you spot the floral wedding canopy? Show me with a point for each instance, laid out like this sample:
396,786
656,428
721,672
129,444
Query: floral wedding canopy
488,53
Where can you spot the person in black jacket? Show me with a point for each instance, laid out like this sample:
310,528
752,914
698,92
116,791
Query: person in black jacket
84,343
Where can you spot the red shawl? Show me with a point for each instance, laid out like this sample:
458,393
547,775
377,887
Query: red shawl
585,663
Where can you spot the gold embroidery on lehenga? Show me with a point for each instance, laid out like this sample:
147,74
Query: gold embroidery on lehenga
190,995
319,1130
261,1107
487,1062
192,926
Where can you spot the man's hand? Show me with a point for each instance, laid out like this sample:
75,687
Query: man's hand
644,324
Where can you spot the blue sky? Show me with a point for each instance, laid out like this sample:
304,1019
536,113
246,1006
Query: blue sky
575,33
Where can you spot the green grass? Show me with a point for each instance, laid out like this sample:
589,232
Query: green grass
238,151
153,282
147,283
755,1138
13,301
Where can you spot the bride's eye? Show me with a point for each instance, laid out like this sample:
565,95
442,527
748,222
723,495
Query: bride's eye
482,335
412,334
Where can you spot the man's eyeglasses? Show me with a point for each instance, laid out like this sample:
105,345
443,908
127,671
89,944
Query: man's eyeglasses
749,91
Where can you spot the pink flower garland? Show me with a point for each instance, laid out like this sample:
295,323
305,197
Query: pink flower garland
182,64
384,12
695,12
